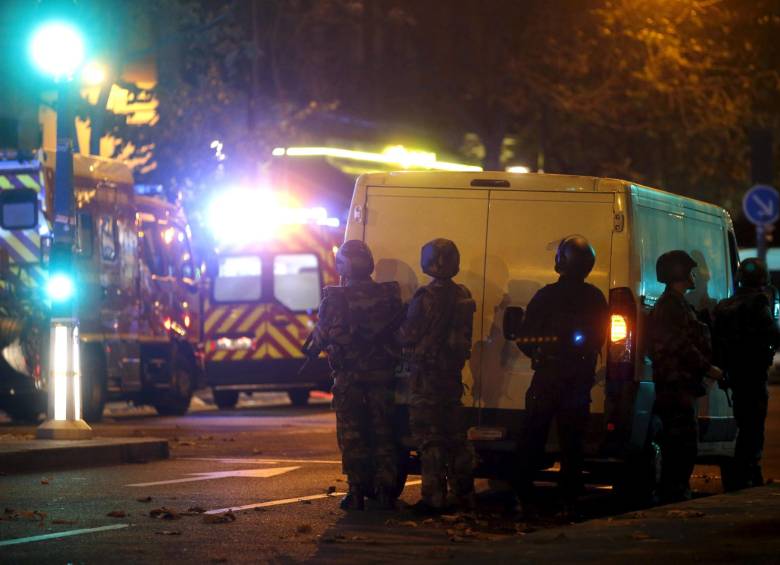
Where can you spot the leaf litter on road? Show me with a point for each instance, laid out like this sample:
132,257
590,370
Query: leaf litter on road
117,514
685,514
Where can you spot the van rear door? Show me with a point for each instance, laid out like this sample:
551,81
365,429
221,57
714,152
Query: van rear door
524,229
400,220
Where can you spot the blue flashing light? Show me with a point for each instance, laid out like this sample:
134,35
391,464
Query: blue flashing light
60,287
578,338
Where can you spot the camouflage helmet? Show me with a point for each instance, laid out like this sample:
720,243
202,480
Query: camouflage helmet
674,266
575,257
753,273
440,259
354,260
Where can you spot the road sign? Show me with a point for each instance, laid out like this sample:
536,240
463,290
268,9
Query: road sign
251,473
761,205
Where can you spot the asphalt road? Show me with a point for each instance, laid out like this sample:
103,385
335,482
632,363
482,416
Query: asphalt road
278,468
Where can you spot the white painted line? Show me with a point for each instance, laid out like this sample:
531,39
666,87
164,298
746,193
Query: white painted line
286,501
253,461
250,473
64,534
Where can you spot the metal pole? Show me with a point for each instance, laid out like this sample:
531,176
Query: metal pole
761,249
64,417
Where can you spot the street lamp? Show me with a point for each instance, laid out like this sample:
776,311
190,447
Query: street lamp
57,49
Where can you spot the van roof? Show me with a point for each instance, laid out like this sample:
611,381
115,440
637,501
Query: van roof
481,180
496,180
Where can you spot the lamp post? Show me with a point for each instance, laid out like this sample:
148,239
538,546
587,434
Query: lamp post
57,49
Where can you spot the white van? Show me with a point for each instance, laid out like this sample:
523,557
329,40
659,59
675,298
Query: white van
507,227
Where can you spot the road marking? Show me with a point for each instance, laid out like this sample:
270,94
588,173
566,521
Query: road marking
65,534
251,473
286,501
253,461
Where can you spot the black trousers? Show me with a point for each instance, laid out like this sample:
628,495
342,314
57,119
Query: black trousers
751,398
676,407
568,403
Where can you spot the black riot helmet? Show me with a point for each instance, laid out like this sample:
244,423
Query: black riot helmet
753,273
575,257
675,266
354,260
440,259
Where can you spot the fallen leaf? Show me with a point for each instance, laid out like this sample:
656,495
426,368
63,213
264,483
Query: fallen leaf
196,509
117,514
450,518
61,521
331,490
303,529
168,533
186,444
164,513
144,499
45,481
428,521
33,515
223,518
305,501
408,524
641,536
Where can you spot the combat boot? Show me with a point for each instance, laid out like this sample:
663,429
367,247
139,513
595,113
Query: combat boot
354,500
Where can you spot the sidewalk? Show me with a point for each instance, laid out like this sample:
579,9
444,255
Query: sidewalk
739,527
33,455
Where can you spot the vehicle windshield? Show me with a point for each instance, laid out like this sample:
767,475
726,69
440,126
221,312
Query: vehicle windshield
239,279
297,281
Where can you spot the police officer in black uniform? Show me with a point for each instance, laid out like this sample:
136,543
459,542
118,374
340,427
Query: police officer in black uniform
573,316
746,336
681,352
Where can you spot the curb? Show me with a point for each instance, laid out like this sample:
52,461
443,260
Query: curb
45,455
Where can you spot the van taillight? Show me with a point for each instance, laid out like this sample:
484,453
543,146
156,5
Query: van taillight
618,328
622,335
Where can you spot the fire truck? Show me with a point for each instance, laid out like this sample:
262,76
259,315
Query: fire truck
264,285
137,293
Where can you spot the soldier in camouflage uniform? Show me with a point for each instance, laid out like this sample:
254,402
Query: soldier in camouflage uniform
356,327
680,350
436,337
575,313
746,337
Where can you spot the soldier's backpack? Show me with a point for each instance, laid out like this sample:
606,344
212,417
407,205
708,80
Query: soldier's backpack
447,344
461,326
743,334
371,311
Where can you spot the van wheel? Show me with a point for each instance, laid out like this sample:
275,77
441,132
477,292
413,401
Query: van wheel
299,396
176,400
93,381
225,399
